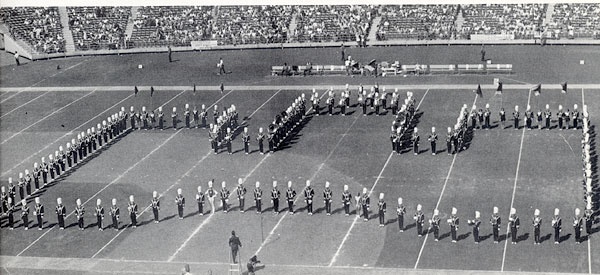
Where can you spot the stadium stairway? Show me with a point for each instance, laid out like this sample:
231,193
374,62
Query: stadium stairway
22,46
459,21
549,13
293,25
66,29
129,28
374,27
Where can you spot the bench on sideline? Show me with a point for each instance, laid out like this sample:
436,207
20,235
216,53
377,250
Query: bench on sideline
397,69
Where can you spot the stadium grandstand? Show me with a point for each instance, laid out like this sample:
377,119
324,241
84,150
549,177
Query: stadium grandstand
47,32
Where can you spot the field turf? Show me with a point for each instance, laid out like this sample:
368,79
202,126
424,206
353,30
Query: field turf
525,169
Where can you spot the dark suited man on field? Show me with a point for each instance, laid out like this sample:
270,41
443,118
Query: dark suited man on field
235,244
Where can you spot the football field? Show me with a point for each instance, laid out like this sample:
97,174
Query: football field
520,168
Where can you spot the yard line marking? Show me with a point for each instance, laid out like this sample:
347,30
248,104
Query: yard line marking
440,198
262,245
589,243
71,132
25,104
103,188
512,200
184,244
337,252
120,176
35,84
177,182
66,134
45,117
568,144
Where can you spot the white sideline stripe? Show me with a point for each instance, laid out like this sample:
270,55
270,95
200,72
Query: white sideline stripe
512,200
30,88
300,87
45,117
440,198
337,252
161,194
9,112
589,242
66,134
204,222
262,245
111,183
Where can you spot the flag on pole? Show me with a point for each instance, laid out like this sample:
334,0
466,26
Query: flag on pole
499,88
151,91
135,90
194,88
537,89
222,87
478,91
564,87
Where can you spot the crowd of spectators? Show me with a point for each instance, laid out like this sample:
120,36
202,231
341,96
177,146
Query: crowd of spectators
173,25
252,24
96,28
521,20
417,22
39,27
333,23
575,21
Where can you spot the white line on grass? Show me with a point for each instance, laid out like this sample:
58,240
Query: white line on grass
512,200
66,134
9,112
45,117
103,188
262,245
440,199
164,192
35,84
337,252
589,242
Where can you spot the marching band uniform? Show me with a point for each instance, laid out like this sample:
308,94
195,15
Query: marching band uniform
400,211
559,115
557,225
476,223
9,213
186,113
61,211
246,140
275,198
25,214
415,141
260,138
486,116
241,192
453,222
174,118
133,209
537,223
11,192
419,218
38,211
80,211
516,116
502,118
200,201
575,116
495,221
434,223
155,204
327,197
548,116
513,223
99,214
180,202
258,198
115,213
365,202
290,195
382,208
577,222
160,118
308,196
346,199
224,197
433,139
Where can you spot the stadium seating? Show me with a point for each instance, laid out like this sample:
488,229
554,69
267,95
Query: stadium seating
38,27
520,20
417,22
173,25
252,24
575,21
96,28
333,23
